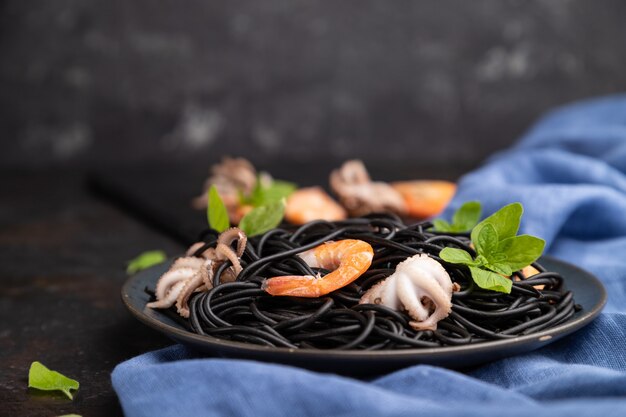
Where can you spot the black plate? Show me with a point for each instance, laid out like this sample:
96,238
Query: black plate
588,292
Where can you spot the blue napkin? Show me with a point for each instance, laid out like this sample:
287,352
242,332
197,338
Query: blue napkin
569,171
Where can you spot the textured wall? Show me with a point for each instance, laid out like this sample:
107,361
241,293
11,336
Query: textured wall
86,82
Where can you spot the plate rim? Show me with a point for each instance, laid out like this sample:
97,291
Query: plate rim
415,353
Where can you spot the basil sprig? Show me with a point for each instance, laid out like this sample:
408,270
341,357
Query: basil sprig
265,194
499,250
257,221
263,218
463,219
217,215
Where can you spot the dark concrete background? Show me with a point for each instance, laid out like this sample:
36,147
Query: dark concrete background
87,83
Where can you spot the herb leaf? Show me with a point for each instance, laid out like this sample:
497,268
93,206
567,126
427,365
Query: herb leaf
521,250
500,268
499,251
217,215
263,195
463,219
261,219
490,280
457,256
486,241
43,378
506,221
441,225
467,216
145,260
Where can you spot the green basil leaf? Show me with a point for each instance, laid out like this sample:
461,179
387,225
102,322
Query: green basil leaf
217,215
145,260
506,221
261,219
456,256
521,250
43,378
487,241
272,193
442,225
490,280
466,217
500,268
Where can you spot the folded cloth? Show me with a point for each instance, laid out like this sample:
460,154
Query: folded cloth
569,172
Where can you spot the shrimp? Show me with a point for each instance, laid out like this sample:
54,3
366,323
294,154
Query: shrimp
425,198
313,203
348,259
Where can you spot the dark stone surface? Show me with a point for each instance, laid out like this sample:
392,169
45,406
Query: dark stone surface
62,257
88,83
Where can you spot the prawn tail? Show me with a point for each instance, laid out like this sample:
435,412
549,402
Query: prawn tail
292,285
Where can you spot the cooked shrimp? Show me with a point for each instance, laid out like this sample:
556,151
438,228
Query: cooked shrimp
348,259
425,198
313,203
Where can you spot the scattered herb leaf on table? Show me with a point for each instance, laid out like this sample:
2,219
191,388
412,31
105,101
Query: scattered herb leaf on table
145,260
45,379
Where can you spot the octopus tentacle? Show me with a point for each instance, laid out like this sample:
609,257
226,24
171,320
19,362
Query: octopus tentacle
208,253
229,236
420,286
191,274
226,253
170,278
170,297
187,262
190,287
207,273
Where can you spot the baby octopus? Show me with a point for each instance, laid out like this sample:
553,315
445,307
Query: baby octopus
420,286
360,195
190,274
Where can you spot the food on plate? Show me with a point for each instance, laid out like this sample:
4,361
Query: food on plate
369,283
312,203
194,272
232,177
360,195
424,199
420,286
345,259
242,189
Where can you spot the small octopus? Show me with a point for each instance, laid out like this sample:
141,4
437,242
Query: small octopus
360,195
420,286
232,177
191,274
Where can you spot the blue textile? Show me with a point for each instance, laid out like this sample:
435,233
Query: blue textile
569,172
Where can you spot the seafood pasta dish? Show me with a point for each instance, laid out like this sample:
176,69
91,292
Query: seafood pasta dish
370,282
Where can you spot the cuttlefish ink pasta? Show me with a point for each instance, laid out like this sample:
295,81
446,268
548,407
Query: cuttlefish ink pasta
243,311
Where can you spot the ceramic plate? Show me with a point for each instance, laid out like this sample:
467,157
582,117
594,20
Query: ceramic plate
588,292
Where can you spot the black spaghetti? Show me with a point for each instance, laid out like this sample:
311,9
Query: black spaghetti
242,311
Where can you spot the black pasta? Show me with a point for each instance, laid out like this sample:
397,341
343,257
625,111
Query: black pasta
242,311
